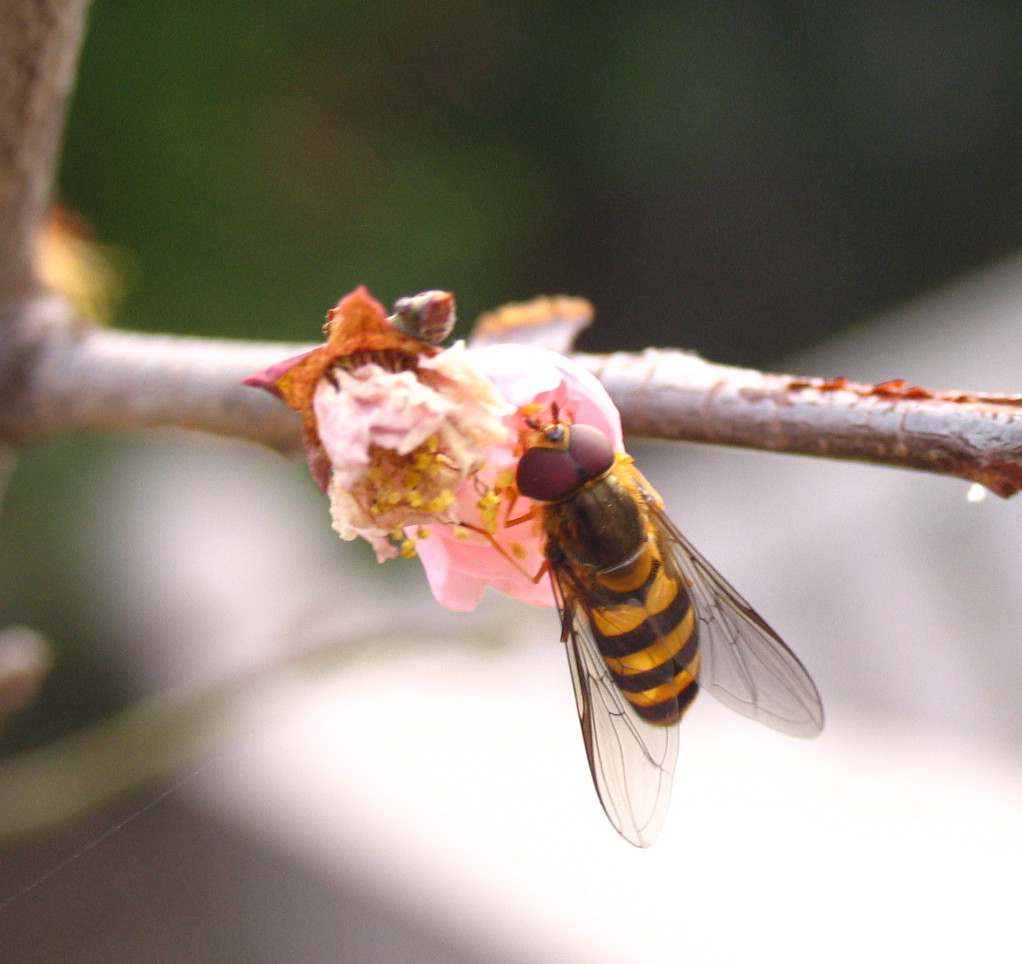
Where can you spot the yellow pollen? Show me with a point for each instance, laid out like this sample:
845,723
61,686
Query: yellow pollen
505,479
441,502
488,506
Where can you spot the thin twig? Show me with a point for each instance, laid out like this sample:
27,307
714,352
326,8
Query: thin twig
25,660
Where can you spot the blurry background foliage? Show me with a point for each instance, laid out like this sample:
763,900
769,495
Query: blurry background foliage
744,180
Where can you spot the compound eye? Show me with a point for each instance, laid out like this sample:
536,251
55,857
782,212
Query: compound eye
591,450
547,475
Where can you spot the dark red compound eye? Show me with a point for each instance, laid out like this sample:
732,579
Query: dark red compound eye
552,474
591,449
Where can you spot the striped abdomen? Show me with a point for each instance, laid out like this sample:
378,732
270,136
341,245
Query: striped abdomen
646,631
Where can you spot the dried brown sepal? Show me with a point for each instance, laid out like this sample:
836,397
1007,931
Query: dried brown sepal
357,332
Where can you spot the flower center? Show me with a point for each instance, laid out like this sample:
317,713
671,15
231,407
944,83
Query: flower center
399,490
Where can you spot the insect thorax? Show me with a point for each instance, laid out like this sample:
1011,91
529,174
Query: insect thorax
599,527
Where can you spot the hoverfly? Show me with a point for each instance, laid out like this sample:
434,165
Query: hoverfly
647,622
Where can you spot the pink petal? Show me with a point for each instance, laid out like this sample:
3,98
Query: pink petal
525,375
459,571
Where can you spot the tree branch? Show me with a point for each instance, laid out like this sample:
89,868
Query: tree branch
677,395
39,43
97,380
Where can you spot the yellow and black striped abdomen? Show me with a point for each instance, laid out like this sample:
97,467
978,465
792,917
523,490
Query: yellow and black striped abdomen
648,637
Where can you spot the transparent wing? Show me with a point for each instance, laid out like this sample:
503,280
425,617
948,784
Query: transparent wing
632,761
743,661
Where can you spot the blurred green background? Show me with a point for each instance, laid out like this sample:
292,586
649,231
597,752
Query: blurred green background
742,180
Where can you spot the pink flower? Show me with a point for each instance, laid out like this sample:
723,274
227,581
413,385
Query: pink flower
417,447
392,425
460,562
401,444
